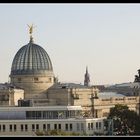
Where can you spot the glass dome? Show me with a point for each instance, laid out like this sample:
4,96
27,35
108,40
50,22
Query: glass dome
31,59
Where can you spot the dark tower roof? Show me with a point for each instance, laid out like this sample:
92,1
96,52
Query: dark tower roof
87,78
31,59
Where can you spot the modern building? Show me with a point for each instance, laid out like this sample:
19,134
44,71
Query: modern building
29,120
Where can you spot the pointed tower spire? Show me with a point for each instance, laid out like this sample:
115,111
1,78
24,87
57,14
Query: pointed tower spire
87,78
86,69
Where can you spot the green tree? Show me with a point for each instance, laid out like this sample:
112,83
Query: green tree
56,133
125,121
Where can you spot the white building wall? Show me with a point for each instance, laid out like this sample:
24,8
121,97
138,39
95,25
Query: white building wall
52,122
18,94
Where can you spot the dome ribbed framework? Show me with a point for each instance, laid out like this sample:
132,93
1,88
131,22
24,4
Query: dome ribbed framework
31,59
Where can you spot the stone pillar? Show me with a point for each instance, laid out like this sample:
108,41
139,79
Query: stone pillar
11,97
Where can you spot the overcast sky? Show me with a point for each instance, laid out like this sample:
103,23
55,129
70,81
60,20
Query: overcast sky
104,37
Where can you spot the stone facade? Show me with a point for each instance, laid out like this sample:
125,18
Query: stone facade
88,99
33,85
10,96
102,106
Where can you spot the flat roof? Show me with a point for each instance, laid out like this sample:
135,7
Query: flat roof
109,94
37,108
52,120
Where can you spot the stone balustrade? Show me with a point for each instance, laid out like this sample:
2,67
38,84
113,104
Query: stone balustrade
116,100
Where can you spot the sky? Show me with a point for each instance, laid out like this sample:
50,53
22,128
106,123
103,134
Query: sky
104,37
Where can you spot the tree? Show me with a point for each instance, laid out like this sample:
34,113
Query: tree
125,121
56,133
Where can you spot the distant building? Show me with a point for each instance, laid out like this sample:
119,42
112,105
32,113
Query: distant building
100,87
87,78
9,95
136,87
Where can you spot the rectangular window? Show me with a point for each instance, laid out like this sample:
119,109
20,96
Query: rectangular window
67,115
44,126
4,127
10,127
55,126
33,127
70,126
96,125
59,126
38,114
21,127
100,125
37,126
82,126
78,127
15,127
26,127
48,126
66,127
91,126
88,126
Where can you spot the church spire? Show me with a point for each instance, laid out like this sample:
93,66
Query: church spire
86,69
87,78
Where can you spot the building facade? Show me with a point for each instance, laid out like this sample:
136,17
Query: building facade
9,95
35,101
30,120
32,70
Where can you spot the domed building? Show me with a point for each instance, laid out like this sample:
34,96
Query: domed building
32,70
44,104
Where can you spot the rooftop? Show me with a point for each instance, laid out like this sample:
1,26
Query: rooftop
109,94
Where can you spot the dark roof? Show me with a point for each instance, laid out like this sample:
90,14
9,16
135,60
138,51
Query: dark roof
68,85
8,85
31,59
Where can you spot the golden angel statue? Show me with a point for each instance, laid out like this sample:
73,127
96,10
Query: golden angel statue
30,28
